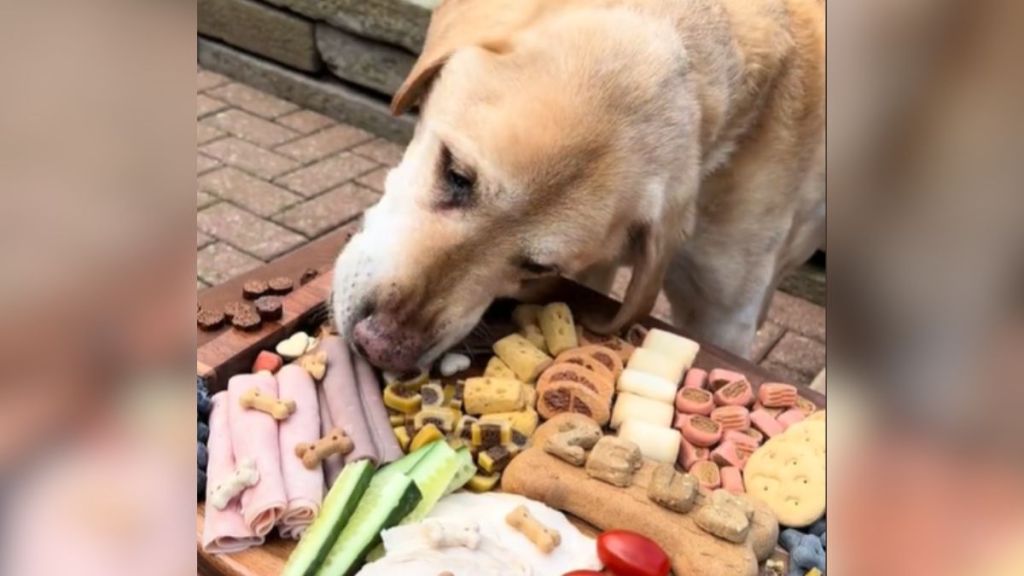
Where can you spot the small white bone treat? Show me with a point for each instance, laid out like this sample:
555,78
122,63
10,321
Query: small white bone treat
544,538
245,476
253,399
452,364
293,347
452,534
683,350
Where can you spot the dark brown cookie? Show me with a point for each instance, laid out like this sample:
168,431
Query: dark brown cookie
281,285
253,289
269,308
209,320
308,276
247,321
235,308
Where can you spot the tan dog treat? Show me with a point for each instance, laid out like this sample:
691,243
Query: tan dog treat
558,327
524,359
244,476
571,445
526,315
805,405
682,350
621,348
818,416
335,442
724,497
601,383
524,421
315,364
534,334
632,407
614,460
788,474
581,357
672,490
723,518
606,356
498,369
538,475
530,396
656,363
544,538
253,399
490,395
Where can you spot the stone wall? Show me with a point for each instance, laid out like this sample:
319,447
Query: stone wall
344,58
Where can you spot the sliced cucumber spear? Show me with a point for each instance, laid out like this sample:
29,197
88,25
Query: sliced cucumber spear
338,506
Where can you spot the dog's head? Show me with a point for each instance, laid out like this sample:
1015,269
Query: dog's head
541,150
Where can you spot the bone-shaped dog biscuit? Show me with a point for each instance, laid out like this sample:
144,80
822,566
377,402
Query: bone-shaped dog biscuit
335,442
255,400
452,534
244,476
544,538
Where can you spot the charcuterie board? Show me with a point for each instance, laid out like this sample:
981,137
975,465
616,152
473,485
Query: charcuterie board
228,352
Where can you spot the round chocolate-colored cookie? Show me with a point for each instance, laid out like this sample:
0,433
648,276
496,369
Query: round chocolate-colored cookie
235,308
269,308
281,285
253,289
308,276
247,321
209,320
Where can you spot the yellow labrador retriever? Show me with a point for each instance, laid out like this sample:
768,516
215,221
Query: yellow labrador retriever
684,138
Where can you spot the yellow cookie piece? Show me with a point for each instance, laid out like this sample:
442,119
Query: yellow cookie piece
533,333
498,369
526,360
557,325
788,475
526,315
525,422
818,416
490,395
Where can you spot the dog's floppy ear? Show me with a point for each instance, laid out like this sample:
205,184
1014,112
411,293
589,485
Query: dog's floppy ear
651,257
456,24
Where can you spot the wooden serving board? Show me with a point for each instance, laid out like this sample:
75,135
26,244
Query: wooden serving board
227,352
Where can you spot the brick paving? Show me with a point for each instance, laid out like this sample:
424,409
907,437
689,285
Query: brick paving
273,176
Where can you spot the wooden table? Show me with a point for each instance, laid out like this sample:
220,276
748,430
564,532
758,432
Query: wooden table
230,351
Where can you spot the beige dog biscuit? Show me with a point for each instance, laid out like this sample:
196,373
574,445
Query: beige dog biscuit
335,442
811,432
614,460
788,474
491,395
534,334
558,328
544,538
278,409
726,516
672,490
522,357
244,476
498,369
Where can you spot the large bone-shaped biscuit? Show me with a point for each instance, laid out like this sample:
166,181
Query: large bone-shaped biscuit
256,400
541,476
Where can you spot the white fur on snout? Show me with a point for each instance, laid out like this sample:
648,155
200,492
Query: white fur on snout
378,252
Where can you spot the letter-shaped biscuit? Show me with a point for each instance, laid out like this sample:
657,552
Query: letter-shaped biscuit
253,399
244,476
526,360
544,538
335,442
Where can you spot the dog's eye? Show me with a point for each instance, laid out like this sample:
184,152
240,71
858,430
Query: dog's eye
533,267
458,182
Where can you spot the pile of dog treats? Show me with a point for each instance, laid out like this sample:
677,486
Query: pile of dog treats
261,302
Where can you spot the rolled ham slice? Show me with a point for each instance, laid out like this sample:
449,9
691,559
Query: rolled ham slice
334,463
224,531
303,486
254,435
343,400
388,449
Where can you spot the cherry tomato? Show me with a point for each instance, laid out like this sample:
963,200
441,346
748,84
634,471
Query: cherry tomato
630,554
584,573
